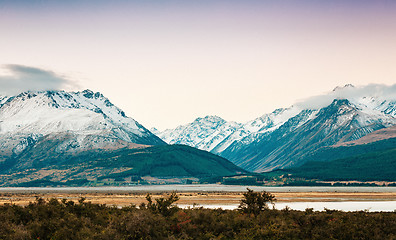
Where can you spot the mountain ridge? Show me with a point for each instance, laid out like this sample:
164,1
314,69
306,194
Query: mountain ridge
279,139
29,116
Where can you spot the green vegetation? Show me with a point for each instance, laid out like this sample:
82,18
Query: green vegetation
118,167
374,166
162,205
54,219
182,164
374,161
255,202
176,160
246,179
334,153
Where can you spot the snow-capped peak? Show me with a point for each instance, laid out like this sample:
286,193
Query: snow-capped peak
362,109
82,114
205,133
212,133
271,121
371,96
211,119
59,111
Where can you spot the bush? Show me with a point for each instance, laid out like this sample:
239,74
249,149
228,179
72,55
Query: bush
163,205
255,202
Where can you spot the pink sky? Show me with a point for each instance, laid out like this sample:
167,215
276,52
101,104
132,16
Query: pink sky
167,62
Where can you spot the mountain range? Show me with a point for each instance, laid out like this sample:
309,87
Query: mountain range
286,137
58,137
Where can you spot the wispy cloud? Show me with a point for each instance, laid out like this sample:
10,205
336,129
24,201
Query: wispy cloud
24,78
349,92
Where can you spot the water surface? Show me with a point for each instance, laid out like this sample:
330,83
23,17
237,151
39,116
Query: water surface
371,206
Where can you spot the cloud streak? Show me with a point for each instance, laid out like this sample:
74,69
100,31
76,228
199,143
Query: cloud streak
380,91
24,78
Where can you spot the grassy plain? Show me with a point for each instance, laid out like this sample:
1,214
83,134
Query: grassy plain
190,198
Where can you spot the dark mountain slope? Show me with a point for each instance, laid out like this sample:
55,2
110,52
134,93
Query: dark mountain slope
375,166
157,161
300,136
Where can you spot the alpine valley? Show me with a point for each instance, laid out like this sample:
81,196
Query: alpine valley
80,138
58,138
310,136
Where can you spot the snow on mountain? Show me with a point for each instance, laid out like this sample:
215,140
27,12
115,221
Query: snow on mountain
365,109
370,96
304,134
29,116
214,134
204,133
270,121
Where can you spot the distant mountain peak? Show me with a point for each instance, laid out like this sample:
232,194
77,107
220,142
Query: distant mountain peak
278,110
340,102
90,94
210,118
343,87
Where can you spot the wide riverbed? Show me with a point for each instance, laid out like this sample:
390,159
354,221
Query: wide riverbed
218,196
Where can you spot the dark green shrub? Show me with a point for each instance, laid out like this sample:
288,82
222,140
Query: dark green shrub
163,206
255,202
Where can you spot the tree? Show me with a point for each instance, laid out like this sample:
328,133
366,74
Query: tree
255,202
162,205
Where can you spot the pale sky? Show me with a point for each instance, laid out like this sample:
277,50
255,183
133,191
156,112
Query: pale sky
166,63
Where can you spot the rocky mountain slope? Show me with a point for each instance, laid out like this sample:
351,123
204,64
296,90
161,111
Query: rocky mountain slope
78,120
285,137
379,135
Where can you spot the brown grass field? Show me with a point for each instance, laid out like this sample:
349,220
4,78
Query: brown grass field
200,198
